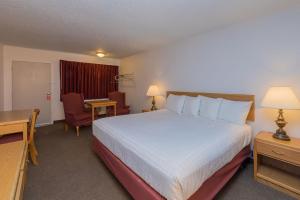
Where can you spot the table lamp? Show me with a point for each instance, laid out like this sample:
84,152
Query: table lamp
281,98
152,92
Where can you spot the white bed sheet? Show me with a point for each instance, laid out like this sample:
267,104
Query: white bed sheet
173,153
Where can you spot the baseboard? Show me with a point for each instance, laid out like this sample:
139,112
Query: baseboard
44,124
58,121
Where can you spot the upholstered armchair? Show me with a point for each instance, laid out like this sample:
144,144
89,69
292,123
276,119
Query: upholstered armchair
122,108
75,113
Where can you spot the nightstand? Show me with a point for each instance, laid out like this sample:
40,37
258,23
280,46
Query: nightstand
277,163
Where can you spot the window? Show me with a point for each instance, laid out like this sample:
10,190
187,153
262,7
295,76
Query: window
93,80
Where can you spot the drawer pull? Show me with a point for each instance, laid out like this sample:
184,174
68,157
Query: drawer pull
281,154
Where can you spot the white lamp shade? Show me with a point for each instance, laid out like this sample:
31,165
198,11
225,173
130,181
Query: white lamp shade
153,91
280,98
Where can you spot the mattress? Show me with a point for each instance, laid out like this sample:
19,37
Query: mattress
172,153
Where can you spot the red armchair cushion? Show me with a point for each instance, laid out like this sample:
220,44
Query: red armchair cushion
82,116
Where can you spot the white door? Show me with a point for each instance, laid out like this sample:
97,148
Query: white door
31,87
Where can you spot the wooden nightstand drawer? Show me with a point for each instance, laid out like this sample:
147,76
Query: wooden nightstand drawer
278,152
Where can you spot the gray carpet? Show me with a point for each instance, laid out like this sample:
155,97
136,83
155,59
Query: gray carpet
69,170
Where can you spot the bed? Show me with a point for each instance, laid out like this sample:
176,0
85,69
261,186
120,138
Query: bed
163,155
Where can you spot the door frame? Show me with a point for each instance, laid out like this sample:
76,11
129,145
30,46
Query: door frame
51,85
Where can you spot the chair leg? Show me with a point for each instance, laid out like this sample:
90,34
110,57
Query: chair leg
33,144
77,130
32,154
66,127
34,148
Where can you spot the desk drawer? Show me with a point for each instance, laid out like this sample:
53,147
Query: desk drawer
12,128
281,153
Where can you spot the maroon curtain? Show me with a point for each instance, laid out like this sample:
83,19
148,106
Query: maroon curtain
93,80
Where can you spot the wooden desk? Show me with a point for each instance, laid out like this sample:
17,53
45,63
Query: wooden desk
13,159
14,121
104,103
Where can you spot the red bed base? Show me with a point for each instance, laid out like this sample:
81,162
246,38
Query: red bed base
139,189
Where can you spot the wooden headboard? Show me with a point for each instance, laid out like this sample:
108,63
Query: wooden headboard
233,97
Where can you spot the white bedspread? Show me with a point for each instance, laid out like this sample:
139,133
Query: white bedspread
173,153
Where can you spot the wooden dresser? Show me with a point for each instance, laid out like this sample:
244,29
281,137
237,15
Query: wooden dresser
13,159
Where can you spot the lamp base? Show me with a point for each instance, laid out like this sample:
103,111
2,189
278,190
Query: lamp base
153,104
281,135
153,108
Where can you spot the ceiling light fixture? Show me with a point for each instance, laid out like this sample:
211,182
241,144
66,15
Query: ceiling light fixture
100,54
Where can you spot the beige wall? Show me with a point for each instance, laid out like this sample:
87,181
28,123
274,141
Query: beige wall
12,53
1,78
246,58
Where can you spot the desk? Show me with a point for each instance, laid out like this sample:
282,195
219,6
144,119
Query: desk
13,159
98,104
14,121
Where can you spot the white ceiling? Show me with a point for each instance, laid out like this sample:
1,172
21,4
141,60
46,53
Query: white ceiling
121,27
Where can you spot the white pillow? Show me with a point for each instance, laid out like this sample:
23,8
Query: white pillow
175,103
191,106
209,107
234,111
